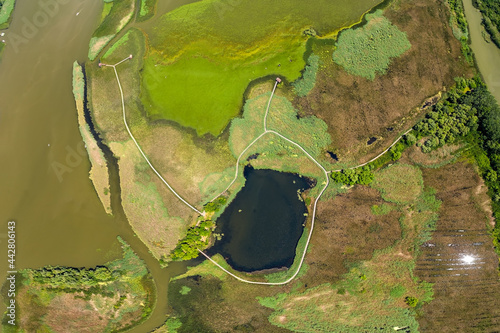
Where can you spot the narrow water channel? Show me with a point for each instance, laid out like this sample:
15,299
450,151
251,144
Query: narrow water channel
44,171
487,54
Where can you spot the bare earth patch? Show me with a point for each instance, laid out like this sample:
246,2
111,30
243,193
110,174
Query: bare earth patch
460,259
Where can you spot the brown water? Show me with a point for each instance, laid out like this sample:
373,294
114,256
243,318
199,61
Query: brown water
60,220
487,54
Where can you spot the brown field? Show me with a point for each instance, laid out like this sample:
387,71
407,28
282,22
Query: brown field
356,109
467,297
347,231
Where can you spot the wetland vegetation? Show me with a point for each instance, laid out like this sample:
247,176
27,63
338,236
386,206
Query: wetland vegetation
184,88
108,298
367,50
491,18
233,56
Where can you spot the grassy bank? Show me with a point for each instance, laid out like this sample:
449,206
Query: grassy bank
458,24
113,21
147,10
99,168
109,298
491,18
6,9
152,210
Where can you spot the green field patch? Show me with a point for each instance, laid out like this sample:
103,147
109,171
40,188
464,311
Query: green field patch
207,268
368,50
147,10
367,298
203,55
310,132
120,42
6,9
382,209
117,18
106,9
202,93
399,183
306,83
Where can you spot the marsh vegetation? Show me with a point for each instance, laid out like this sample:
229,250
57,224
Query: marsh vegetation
185,86
107,298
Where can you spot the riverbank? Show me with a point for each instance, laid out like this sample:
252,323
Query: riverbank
99,174
487,55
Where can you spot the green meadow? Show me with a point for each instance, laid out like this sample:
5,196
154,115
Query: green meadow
202,56
368,50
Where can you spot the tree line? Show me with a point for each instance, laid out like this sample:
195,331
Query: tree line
467,113
71,277
491,18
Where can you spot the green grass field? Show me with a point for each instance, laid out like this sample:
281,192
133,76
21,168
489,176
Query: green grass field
310,132
106,9
5,13
147,10
399,183
306,83
197,77
204,94
368,50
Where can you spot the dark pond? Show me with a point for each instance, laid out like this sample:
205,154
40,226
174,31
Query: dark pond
372,140
333,155
263,224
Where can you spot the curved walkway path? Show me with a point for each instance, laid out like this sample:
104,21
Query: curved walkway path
135,141
327,182
266,131
379,155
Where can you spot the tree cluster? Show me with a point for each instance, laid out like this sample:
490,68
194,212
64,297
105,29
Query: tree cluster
215,205
456,7
362,176
70,277
488,113
411,301
448,120
197,237
469,111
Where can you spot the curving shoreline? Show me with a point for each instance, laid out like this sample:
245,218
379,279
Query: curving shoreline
98,174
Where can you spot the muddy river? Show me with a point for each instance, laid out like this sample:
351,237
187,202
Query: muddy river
487,54
44,180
